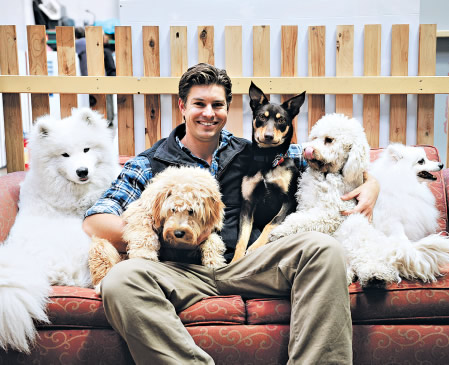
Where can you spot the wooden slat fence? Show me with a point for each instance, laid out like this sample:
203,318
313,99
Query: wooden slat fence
343,84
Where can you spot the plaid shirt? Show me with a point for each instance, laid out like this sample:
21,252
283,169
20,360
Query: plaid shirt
137,172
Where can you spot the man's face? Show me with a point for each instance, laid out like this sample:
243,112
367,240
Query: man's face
205,112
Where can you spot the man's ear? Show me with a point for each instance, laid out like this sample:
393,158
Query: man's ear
182,108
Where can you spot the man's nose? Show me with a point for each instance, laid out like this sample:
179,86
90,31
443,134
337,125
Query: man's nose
209,111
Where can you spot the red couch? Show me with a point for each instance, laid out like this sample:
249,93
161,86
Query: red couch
402,324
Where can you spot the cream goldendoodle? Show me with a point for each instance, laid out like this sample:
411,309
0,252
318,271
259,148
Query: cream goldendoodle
177,206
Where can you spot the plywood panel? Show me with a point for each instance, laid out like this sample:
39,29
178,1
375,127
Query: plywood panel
289,62
371,67
179,64
65,45
125,103
426,67
317,63
95,62
12,114
399,67
344,65
234,66
151,64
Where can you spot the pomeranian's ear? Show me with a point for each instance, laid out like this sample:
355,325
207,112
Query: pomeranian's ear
257,97
395,151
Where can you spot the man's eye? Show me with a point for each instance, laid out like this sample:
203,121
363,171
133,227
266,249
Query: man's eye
199,104
218,105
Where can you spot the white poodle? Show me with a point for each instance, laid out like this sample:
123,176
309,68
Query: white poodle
177,206
337,154
402,240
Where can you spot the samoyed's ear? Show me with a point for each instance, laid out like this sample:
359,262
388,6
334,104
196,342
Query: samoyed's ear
395,151
42,126
86,114
357,163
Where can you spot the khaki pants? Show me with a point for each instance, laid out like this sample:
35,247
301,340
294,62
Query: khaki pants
142,299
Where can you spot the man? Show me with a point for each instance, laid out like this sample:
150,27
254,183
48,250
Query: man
142,298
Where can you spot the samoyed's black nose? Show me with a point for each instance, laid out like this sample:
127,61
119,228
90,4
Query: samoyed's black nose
441,165
82,172
179,234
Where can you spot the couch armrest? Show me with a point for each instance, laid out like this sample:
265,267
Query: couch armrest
9,197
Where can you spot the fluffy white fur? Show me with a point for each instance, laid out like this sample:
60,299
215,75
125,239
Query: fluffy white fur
177,206
71,164
402,240
337,154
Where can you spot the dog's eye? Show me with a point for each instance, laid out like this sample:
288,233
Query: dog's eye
421,162
281,120
86,150
262,117
65,154
328,140
190,211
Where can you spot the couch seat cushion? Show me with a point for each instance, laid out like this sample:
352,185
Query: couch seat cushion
268,311
75,307
411,302
215,310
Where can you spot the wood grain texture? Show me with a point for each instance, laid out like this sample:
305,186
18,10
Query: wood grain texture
371,67
399,67
179,64
344,65
125,103
289,63
426,67
12,111
206,52
95,62
65,45
151,63
317,67
37,59
234,66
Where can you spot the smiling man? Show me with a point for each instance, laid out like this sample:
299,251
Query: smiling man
142,297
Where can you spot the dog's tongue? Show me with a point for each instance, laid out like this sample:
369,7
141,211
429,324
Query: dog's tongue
308,153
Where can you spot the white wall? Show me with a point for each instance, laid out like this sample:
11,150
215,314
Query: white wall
303,13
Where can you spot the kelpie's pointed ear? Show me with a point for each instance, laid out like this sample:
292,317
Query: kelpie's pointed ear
257,97
293,104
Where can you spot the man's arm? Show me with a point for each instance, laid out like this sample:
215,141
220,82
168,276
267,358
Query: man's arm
366,195
107,226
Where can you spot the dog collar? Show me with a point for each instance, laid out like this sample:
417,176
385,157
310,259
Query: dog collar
280,158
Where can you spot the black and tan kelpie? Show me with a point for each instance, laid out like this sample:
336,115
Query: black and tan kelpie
268,190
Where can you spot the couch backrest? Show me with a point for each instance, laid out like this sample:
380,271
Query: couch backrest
437,187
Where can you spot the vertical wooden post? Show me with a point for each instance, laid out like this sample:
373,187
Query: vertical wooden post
317,63
179,64
125,103
151,67
95,62
426,67
206,44
65,46
289,62
399,67
233,62
345,65
371,67
12,112
37,53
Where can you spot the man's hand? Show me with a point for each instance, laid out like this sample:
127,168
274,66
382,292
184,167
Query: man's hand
366,195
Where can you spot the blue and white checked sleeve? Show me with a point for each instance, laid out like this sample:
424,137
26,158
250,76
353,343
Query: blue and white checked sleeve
295,152
128,187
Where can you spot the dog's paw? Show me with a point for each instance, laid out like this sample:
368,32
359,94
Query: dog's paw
98,289
274,235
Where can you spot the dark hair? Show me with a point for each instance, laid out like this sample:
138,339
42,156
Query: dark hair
204,74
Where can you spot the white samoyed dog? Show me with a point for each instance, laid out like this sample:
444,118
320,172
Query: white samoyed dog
402,241
72,162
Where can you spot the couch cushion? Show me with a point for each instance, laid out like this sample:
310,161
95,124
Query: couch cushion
410,302
215,310
266,311
75,307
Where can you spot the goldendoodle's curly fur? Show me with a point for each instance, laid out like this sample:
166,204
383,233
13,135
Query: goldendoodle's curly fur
176,207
